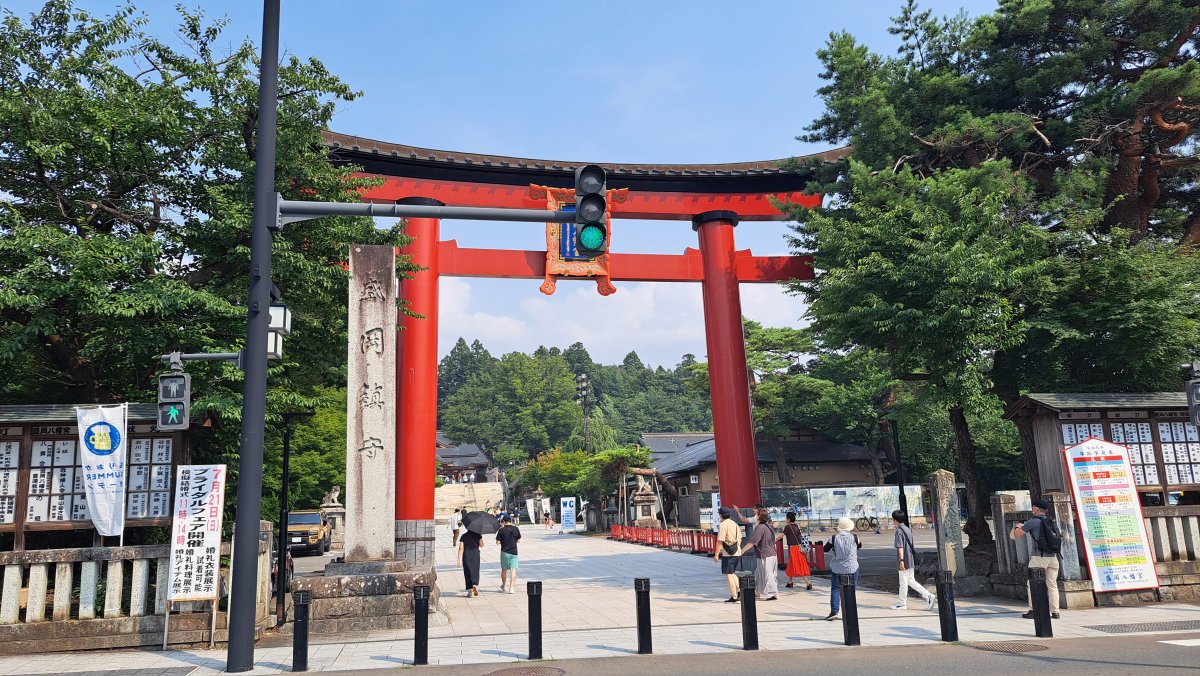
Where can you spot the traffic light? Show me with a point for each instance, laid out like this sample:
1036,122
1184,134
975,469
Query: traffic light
1193,399
174,401
591,212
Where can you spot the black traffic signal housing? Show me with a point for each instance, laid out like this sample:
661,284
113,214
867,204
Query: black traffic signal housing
1193,399
591,211
174,401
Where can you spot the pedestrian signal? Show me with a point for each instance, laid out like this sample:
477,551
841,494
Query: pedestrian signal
174,401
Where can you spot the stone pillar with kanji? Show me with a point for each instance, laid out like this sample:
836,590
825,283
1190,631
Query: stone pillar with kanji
371,405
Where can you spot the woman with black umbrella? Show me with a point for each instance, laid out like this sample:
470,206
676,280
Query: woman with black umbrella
477,524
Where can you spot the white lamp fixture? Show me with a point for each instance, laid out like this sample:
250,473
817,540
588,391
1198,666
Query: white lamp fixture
274,345
281,321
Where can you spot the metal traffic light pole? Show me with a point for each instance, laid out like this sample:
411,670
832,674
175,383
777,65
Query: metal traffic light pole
242,593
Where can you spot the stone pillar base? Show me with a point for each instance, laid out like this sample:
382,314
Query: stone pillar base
415,542
367,596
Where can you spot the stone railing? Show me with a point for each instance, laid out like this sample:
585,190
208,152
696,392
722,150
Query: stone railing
103,597
1174,533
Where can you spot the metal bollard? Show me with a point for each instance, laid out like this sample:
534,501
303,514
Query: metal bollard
300,601
534,589
421,635
849,609
749,613
945,601
641,588
1040,601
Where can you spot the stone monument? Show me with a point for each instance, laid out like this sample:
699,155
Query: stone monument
644,504
949,523
335,513
371,405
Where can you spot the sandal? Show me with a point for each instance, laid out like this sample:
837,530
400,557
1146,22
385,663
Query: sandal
808,586
789,585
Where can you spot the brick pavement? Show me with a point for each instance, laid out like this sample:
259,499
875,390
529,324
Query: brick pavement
588,612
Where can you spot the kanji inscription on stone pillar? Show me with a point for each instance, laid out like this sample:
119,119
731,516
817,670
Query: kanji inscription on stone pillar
371,406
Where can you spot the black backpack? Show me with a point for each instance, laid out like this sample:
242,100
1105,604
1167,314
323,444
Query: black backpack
1050,541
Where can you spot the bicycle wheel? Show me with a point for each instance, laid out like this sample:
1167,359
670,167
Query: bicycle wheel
874,523
862,523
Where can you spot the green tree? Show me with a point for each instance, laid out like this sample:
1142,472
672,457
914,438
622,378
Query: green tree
126,191
457,367
523,402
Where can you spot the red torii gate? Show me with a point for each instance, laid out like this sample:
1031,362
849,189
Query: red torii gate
714,197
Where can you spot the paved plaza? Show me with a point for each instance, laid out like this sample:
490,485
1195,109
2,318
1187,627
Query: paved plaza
588,611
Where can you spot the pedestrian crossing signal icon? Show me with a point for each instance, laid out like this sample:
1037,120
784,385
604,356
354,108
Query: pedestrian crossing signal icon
174,401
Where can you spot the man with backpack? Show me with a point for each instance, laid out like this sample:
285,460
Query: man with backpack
1044,549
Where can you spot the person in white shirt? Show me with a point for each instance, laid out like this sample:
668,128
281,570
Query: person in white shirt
456,526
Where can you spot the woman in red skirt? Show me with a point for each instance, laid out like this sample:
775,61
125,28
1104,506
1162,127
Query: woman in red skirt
797,544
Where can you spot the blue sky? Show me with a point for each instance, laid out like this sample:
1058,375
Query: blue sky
662,81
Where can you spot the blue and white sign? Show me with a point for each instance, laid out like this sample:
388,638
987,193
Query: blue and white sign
102,442
716,513
567,510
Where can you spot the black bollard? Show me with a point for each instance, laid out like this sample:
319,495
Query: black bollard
421,635
1041,603
534,589
945,601
641,588
849,609
749,613
300,601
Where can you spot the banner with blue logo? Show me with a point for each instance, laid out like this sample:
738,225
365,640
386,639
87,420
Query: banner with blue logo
102,444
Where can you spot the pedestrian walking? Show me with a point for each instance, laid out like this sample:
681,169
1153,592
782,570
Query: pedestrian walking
844,545
507,536
729,536
907,556
798,544
455,526
766,573
468,559
1044,551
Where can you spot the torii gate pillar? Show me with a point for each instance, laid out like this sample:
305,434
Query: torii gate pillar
737,460
416,394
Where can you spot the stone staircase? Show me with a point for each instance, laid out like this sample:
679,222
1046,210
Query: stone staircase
475,497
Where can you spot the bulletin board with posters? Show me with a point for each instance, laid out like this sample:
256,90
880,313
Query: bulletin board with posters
41,478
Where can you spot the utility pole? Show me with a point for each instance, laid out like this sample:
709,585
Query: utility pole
242,595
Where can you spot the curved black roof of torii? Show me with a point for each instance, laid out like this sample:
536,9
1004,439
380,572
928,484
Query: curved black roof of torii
394,159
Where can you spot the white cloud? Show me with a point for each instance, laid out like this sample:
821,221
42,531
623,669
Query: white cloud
661,322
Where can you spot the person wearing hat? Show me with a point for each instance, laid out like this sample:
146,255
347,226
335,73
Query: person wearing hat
1036,528
845,546
729,536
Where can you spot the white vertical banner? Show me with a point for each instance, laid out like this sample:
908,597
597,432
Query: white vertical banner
102,445
716,512
546,506
529,504
567,506
196,533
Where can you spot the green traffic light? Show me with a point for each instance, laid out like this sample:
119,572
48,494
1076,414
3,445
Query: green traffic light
173,415
591,237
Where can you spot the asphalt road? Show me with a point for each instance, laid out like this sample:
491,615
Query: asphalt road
304,563
1109,655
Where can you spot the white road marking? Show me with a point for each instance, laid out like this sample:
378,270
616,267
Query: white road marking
1188,642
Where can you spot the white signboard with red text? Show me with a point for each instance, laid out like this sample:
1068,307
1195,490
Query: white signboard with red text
196,533
1110,516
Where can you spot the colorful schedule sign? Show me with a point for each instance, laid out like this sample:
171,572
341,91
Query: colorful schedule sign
1110,517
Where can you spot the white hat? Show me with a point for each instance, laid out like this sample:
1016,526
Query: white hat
845,523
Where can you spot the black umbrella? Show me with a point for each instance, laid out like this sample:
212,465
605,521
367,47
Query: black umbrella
481,522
